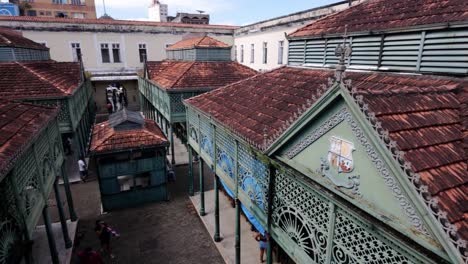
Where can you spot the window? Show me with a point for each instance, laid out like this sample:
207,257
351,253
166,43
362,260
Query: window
78,15
252,53
105,53
142,52
48,13
242,54
235,52
76,51
132,182
61,14
32,13
41,13
265,52
116,52
280,51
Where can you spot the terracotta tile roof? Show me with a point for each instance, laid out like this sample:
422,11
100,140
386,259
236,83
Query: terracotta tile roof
38,79
110,22
426,116
388,14
199,42
12,38
20,124
106,139
172,74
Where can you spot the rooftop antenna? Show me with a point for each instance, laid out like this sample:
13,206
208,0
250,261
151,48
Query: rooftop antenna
104,5
200,11
343,51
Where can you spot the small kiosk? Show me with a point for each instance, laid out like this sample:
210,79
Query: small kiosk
130,154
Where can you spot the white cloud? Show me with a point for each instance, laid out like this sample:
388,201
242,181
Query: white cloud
209,6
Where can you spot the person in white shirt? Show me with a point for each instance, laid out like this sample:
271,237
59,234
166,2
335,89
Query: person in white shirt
83,169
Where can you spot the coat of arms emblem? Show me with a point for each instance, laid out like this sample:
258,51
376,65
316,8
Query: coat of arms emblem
340,154
339,163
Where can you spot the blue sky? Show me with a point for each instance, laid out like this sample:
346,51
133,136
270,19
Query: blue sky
233,12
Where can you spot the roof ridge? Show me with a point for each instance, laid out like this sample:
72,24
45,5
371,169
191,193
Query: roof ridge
182,74
58,86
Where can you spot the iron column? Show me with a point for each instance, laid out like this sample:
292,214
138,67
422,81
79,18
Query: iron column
238,234
190,172
202,188
217,238
63,220
66,185
50,236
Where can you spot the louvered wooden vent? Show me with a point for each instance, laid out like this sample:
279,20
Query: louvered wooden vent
426,51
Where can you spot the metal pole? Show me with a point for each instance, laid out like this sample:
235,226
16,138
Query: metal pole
63,221
217,237
66,185
171,129
190,173
271,193
202,189
50,236
238,234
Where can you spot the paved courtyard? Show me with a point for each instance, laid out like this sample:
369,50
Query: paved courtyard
165,232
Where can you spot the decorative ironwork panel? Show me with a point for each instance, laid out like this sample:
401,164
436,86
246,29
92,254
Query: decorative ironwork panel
225,162
302,215
206,133
64,114
353,243
176,102
253,177
226,151
10,241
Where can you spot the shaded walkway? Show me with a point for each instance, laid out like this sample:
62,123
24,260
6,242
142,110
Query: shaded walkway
165,232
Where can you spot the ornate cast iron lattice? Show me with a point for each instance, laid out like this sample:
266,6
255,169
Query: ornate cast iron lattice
225,147
304,216
10,242
253,177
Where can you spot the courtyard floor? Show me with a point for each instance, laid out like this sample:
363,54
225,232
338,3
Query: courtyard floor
164,232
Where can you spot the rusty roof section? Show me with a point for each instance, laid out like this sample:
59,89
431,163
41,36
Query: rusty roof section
20,124
426,116
173,74
375,15
109,22
38,79
12,38
198,42
105,139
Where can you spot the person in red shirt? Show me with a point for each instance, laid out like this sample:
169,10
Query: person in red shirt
89,256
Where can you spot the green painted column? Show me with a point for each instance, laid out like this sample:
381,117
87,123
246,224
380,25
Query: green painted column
66,185
216,237
271,193
63,220
190,172
171,132
50,236
238,233
202,188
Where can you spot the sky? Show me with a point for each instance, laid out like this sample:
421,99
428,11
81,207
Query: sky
225,12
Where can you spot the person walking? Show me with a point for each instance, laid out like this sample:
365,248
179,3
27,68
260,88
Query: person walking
262,242
89,256
83,169
105,233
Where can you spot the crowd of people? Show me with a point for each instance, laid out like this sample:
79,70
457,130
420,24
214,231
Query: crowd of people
116,97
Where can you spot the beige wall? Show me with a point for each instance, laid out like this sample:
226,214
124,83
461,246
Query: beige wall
60,46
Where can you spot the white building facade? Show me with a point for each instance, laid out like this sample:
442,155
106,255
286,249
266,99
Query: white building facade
157,11
263,45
